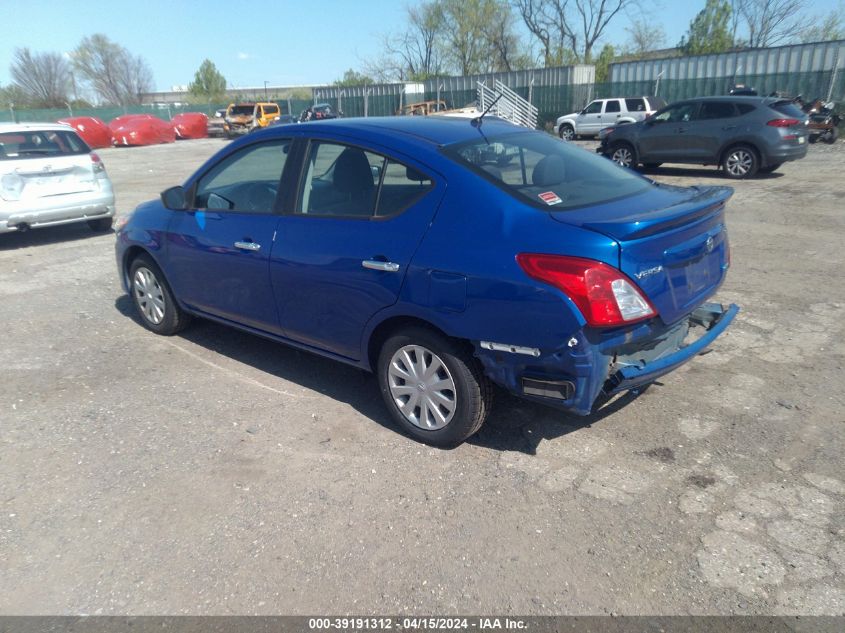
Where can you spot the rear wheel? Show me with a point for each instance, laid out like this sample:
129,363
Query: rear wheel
740,162
153,299
768,169
101,225
623,154
567,132
433,387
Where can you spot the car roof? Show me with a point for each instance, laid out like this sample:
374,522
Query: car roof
439,130
34,127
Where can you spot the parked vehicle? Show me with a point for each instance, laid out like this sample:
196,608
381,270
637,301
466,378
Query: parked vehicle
742,135
603,113
319,112
49,176
242,118
824,120
92,130
423,108
394,245
141,129
216,123
188,125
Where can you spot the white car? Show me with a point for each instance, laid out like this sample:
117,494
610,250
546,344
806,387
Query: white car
49,176
605,113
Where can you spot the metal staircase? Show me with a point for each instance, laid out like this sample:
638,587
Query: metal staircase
510,107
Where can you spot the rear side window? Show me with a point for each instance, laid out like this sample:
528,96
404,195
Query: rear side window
745,108
40,144
401,187
545,172
716,110
788,108
635,105
612,106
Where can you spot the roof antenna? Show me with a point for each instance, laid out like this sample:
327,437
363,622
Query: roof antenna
477,121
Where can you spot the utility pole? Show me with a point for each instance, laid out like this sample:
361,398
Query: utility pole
265,91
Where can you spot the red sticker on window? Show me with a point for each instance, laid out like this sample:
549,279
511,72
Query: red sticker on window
549,197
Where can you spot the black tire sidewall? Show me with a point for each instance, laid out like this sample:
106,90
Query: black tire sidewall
468,392
172,321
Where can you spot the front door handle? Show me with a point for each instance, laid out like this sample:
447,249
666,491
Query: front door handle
387,267
248,246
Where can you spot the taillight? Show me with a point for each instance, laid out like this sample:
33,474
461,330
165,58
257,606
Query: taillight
97,163
783,122
604,295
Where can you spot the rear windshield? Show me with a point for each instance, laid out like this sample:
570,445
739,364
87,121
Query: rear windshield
38,144
788,108
546,172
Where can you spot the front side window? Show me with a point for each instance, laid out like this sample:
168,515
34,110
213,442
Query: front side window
593,108
546,172
247,181
679,113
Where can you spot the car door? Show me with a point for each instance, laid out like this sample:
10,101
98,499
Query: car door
219,249
589,120
342,252
716,121
610,116
661,139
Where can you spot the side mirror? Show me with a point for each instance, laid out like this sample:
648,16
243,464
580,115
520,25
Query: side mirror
174,198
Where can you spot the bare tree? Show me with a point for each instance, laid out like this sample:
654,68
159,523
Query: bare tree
568,30
644,37
43,78
770,22
115,75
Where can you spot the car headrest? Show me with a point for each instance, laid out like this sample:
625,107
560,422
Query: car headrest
551,170
413,174
352,173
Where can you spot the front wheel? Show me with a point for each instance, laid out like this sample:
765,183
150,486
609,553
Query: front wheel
153,299
740,162
433,387
567,132
831,136
623,155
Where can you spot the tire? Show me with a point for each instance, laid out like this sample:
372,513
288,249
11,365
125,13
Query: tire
831,137
623,154
740,161
455,399
768,169
567,132
101,225
153,298
813,138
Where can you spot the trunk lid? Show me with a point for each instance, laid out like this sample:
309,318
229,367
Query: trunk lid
672,242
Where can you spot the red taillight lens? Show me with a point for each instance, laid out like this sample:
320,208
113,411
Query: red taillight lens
98,163
604,295
783,122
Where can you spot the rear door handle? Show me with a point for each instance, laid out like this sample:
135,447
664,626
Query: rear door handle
387,267
248,246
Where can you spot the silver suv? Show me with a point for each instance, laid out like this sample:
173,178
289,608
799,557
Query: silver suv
603,113
49,176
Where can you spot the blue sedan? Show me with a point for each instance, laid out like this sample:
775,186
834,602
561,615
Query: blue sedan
445,255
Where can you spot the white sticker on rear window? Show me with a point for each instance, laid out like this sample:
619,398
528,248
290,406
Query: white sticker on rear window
549,197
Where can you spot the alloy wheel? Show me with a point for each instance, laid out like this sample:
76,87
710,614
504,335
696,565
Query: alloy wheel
149,295
739,162
422,387
567,133
622,156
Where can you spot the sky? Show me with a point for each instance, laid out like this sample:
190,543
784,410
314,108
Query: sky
284,43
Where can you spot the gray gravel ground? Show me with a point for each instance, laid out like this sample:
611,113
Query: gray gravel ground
215,473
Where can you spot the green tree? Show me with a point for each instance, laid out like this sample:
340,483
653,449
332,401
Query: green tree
830,26
710,30
208,84
603,63
353,78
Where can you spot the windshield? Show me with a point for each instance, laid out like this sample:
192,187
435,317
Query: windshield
547,172
241,109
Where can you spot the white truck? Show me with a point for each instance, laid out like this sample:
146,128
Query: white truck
603,113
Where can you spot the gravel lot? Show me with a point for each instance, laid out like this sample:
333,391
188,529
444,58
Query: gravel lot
214,473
